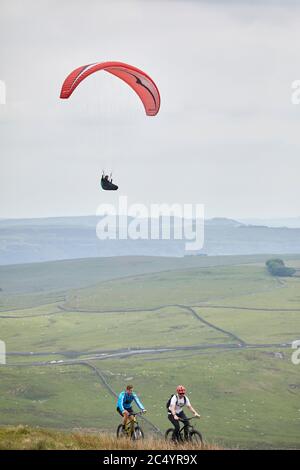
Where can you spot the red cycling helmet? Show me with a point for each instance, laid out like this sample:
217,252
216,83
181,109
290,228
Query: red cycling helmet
180,389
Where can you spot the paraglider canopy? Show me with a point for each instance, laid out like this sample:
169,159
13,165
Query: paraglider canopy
138,80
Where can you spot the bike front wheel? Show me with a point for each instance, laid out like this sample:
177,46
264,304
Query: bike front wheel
196,437
137,434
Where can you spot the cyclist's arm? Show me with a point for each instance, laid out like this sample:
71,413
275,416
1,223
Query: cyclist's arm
189,406
173,406
195,413
138,402
120,402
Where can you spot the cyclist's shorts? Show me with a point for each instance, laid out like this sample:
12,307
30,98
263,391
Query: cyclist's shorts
130,410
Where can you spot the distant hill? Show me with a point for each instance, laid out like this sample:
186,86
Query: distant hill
49,239
223,222
289,222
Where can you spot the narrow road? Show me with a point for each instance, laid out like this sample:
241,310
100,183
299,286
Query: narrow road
217,328
135,352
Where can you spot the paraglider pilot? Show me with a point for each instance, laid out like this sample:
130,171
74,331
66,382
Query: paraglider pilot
107,183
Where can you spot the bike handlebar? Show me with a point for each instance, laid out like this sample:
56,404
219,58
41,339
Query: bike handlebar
136,414
189,419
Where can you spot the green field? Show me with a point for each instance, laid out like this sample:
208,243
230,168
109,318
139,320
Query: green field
183,286
222,326
89,332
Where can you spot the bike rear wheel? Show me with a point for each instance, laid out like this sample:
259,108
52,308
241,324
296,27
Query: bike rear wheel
170,435
120,431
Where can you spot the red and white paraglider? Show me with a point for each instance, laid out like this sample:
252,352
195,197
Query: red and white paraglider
138,80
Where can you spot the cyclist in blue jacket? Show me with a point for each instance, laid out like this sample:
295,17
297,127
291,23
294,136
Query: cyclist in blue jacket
125,400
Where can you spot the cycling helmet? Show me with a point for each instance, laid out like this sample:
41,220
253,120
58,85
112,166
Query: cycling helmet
180,389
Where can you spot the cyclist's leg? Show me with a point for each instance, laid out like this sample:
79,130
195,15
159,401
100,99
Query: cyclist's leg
128,418
124,417
183,417
175,423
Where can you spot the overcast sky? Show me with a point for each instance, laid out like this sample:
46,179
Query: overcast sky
226,136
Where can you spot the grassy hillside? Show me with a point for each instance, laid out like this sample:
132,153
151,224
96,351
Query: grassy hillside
223,327
26,438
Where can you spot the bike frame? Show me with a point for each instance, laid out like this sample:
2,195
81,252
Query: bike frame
133,421
189,427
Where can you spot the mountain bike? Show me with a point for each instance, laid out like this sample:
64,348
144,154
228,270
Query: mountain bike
132,428
192,435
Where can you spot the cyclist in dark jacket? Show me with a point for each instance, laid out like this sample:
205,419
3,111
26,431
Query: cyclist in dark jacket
107,184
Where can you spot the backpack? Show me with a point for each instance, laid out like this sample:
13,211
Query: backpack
169,401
